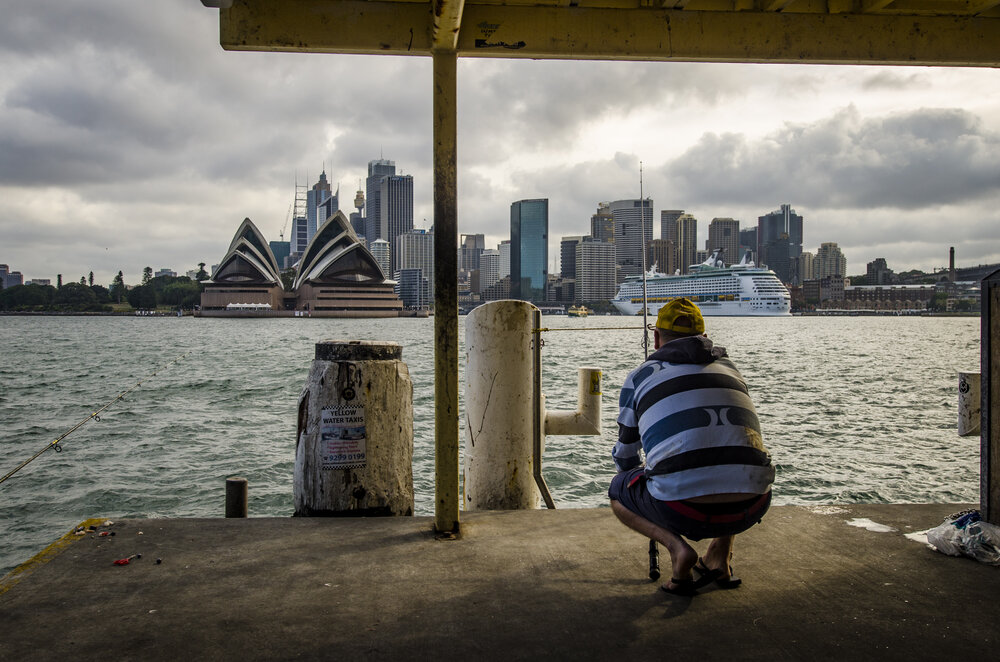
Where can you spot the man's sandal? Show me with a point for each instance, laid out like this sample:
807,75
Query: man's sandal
720,581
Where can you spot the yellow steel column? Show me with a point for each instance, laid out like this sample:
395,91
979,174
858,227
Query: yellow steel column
446,488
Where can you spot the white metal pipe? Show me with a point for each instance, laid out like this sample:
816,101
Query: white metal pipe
587,417
969,404
499,407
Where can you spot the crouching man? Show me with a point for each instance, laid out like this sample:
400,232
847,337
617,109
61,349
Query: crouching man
707,473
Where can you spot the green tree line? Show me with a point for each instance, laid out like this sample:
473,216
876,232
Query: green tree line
166,291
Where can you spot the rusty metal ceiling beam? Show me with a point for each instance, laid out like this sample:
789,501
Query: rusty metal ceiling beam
551,32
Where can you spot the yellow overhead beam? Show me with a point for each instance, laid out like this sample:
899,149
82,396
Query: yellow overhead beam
545,32
447,22
576,32
328,26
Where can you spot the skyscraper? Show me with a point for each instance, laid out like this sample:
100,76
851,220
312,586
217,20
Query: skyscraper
663,254
687,241
878,272
320,194
377,169
529,249
413,287
668,224
396,207
748,242
471,247
771,250
602,224
489,268
567,256
380,251
829,261
300,236
724,233
633,230
504,249
414,249
802,268
595,271
281,250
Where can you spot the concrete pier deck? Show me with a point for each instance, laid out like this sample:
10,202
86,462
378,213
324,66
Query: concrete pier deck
563,584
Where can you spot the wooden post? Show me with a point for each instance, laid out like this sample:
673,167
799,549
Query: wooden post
354,446
236,497
989,492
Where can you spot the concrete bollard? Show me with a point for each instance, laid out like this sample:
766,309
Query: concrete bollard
969,403
505,416
499,414
354,444
236,497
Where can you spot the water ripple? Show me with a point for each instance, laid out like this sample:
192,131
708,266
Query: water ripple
856,409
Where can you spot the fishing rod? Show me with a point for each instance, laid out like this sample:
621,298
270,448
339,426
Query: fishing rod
654,553
95,416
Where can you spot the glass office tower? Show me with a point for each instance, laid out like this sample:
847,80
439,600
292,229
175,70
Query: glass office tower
529,249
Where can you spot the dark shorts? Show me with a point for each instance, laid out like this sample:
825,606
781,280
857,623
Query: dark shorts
695,521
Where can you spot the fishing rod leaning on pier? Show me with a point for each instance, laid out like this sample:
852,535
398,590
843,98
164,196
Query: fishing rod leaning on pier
95,416
654,553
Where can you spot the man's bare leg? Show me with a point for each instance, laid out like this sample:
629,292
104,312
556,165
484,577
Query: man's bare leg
682,555
718,554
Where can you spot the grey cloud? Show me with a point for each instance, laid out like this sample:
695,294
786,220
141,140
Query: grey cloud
893,80
132,96
516,105
905,161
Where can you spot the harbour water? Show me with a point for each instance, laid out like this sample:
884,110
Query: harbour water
853,409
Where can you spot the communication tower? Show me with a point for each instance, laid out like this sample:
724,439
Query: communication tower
359,200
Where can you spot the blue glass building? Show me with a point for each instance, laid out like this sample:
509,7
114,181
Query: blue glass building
529,249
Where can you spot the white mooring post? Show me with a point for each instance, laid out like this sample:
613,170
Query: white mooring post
505,417
354,446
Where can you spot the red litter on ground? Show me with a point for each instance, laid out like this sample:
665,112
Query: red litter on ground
127,560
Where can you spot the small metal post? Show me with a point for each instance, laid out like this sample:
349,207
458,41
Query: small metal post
989,427
236,497
536,403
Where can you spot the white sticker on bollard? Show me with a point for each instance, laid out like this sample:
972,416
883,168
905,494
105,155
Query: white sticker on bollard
342,438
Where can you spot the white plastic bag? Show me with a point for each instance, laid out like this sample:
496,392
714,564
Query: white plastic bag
965,534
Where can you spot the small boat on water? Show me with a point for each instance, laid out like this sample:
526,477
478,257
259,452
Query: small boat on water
578,311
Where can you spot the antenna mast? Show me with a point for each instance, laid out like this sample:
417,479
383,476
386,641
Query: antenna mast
642,244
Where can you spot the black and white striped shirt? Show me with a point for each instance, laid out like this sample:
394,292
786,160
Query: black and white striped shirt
687,408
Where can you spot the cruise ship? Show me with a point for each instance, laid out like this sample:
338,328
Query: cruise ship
737,290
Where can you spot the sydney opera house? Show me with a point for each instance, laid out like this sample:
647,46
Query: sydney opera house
335,277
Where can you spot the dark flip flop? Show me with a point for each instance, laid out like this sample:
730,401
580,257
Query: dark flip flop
691,586
727,583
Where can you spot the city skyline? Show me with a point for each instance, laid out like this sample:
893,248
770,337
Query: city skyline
131,139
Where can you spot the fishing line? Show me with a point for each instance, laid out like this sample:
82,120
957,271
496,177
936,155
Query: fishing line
96,416
654,553
588,328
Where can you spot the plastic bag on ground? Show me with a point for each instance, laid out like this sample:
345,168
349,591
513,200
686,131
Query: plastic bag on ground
966,534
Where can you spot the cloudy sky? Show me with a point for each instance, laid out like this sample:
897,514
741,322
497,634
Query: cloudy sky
129,138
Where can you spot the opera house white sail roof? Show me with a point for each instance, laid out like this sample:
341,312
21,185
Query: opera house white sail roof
335,255
249,260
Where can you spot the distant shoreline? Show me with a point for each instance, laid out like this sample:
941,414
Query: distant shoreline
188,313
92,313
